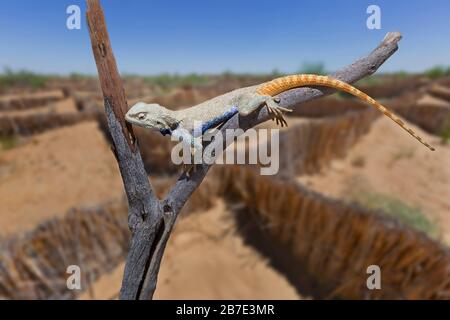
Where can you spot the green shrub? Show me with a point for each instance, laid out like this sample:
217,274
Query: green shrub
404,213
22,78
445,130
75,76
401,74
313,68
166,80
437,72
8,142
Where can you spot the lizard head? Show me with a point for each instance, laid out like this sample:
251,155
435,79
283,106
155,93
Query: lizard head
152,116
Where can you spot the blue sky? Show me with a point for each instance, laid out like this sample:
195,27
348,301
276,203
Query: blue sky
210,36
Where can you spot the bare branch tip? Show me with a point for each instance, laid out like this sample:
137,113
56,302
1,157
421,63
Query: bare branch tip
392,37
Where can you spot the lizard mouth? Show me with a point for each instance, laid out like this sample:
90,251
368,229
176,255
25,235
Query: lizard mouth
134,121
130,119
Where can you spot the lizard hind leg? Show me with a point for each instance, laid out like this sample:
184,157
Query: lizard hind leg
248,104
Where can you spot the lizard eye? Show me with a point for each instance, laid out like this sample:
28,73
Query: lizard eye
141,116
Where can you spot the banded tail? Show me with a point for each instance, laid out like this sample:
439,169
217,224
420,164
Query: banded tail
282,84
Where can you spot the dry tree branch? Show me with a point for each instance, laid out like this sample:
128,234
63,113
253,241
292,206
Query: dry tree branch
151,220
351,73
145,211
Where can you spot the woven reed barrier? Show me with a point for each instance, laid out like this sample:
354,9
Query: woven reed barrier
441,92
328,107
33,265
39,122
24,103
334,242
311,145
394,86
432,118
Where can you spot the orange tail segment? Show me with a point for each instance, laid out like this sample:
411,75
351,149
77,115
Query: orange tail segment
282,84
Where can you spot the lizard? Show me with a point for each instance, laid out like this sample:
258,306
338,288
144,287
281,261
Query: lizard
187,124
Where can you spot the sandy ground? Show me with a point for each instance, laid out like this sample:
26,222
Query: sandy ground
206,259
390,162
54,171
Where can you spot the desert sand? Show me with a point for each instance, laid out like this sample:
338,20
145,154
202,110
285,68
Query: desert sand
54,171
388,161
207,259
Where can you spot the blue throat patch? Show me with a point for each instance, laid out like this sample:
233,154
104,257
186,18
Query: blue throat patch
220,119
165,131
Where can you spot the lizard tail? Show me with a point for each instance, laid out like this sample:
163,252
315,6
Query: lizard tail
282,84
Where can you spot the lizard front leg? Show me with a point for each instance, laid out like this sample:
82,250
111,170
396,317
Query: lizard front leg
194,146
248,103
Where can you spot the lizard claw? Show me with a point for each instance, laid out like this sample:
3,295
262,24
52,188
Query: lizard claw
190,167
276,111
284,109
277,114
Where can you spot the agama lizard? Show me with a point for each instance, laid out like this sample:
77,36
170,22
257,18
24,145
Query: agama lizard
181,124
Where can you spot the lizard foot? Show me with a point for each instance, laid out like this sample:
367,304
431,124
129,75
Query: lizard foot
251,102
190,167
276,111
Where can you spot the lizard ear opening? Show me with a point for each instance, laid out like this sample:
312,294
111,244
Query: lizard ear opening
174,125
171,121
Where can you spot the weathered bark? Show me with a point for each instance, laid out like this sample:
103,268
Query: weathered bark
145,211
